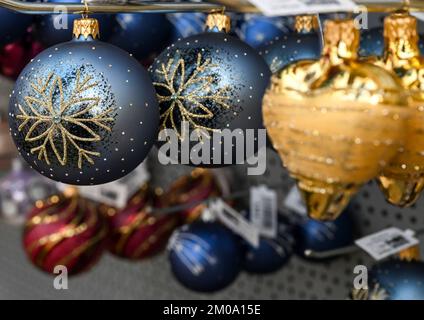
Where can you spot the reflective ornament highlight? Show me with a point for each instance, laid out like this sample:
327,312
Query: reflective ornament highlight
335,122
84,112
67,231
303,44
402,181
187,24
136,233
205,257
204,84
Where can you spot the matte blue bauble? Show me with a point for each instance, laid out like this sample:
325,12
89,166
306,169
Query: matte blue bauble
13,25
186,24
272,254
323,236
212,81
258,30
397,280
49,35
204,256
290,48
83,112
142,35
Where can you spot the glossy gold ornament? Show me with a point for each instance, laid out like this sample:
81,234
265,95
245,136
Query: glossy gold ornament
335,121
403,180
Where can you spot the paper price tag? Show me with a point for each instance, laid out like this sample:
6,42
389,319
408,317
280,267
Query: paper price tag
294,202
116,193
293,7
235,221
387,242
263,210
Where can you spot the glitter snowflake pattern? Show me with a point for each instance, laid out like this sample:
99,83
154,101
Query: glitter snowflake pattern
58,124
189,95
376,293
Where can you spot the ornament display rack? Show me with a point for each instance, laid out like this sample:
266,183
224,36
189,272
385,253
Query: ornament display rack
151,279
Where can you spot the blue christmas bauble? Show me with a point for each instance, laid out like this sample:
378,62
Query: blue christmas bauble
186,24
204,256
323,236
258,30
53,29
211,82
272,253
397,280
290,48
84,112
142,35
13,25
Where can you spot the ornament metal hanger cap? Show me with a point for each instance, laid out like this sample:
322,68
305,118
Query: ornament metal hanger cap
85,26
410,254
306,23
218,21
341,39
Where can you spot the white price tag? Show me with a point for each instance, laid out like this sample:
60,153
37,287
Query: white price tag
295,203
293,7
263,210
116,193
387,242
235,221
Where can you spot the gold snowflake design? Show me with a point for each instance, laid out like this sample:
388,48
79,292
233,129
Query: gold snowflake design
49,119
186,92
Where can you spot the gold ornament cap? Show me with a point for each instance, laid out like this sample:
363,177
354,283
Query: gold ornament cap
400,25
306,23
86,27
341,37
218,22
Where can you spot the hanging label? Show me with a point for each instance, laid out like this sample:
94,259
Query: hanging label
293,7
387,242
116,193
263,210
294,202
235,221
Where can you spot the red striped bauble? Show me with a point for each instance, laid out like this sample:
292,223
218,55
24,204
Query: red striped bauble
199,185
138,232
65,230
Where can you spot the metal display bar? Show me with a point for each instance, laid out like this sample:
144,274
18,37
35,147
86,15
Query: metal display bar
169,7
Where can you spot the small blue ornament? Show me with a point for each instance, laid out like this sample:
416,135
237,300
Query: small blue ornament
258,30
323,236
272,254
13,25
49,35
186,24
204,256
142,35
397,280
290,48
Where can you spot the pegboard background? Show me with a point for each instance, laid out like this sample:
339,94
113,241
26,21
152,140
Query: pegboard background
114,278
